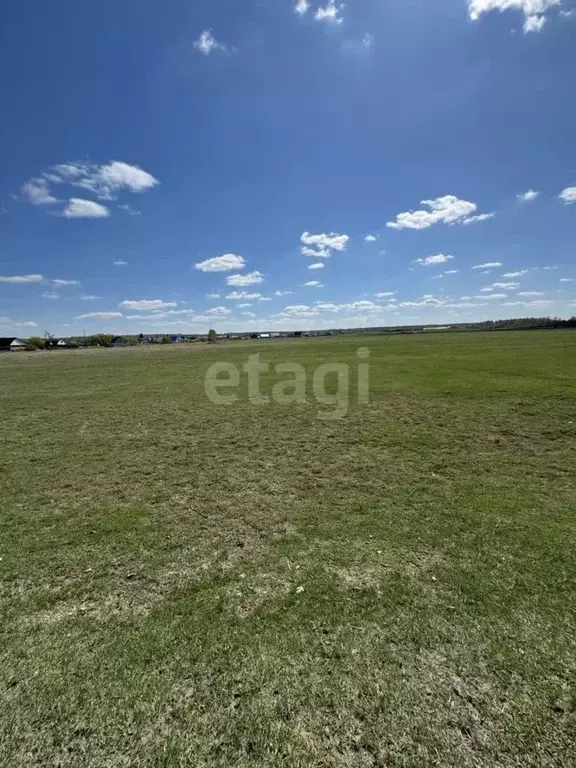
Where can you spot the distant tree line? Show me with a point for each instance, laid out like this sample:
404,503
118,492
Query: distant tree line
526,322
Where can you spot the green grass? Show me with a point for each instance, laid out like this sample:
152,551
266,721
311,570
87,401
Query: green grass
184,584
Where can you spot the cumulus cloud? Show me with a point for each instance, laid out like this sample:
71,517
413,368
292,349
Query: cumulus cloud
531,293
568,195
528,196
120,263
313,284
251,278
370,238
282,293
103,180
207,43
84,209
100,316
322,245
565,280
488,265
384,294
517,273
534,10
36,191
438,258
147,305
302,7
223,263
447,210
21,279
330,13
316,265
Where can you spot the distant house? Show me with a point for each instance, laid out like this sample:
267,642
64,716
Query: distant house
120,341
11,344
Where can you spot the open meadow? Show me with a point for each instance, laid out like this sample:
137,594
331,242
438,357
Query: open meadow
185,583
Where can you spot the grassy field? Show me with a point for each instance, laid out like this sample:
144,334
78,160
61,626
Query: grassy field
186,584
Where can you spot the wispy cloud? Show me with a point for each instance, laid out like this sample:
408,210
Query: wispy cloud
21,279
528,197
207,43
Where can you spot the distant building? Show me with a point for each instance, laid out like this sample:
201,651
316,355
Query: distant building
11,344
120,341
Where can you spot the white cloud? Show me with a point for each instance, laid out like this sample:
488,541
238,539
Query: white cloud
368,40
282,293
370,238
90,298
212,295
568,195
302,7
565,280
534,10
330,13
499,286
120,263
21,279
251,278
84,209
438,258
448,210
245,304
384,294
219,311
451,271
100,316
533,23
239,295
58,283
488,265
36,191
531,293
6,322
493,296
299,310
147,305
207,43
476,219
528,196
53,295
264,298
316,265
322,245
223,263
517,273
313,284
103,180
535,303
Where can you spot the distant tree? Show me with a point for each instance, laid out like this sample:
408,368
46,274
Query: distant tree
212,337
36,341
166,340
99,340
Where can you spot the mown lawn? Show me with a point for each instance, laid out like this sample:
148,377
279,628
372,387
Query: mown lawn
186,584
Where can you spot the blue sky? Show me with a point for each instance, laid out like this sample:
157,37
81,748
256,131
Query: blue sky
180,166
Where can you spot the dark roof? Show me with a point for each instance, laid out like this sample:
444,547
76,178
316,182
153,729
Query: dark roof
5,341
